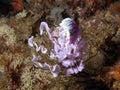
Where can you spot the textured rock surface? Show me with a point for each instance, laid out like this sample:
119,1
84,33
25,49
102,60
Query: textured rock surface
101,28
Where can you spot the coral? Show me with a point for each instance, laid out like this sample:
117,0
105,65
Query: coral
111,76
69,47
100,24
8,34
115,7
37,1
12,73
55,13
21,14
17,5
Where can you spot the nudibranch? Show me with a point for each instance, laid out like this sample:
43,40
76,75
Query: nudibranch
69,47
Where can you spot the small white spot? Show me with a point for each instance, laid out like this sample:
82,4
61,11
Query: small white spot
43,50
30,41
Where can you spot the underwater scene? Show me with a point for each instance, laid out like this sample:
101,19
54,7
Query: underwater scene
59,44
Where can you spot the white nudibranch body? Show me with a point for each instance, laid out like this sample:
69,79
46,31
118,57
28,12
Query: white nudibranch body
66,28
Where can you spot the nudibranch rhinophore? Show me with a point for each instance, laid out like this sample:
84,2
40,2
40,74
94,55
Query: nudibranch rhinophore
69,48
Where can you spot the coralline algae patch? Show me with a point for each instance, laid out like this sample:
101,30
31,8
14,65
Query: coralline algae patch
7,41
8,34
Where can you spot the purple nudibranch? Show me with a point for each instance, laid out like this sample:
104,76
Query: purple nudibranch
69,46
